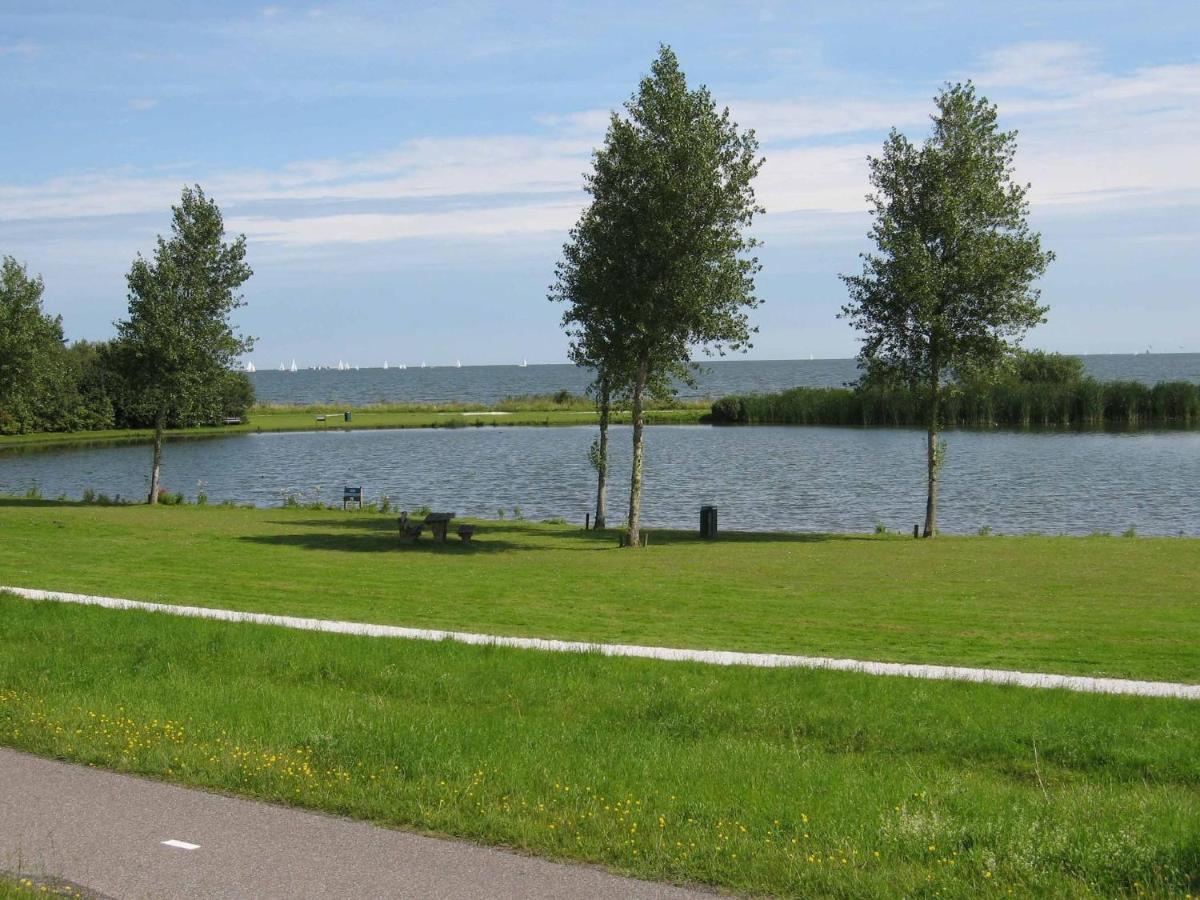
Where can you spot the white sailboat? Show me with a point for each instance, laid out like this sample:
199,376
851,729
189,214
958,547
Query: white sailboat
458,364
524,363
281,368
422,364
402,366
250,367
385,365
293,369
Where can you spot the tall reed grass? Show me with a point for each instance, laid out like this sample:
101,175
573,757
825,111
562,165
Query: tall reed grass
1086,403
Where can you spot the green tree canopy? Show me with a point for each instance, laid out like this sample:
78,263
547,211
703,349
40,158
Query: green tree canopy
660,262
949,288
30,348
178,346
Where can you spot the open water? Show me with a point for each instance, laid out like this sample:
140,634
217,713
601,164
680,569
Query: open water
761,478
718,378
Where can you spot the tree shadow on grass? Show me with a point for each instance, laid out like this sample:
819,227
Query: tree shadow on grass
384,542
36,502
380,534
669,536
520,534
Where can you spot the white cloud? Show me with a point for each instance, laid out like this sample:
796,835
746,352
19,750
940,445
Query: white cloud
141,104
374,227
1089,139
1041,65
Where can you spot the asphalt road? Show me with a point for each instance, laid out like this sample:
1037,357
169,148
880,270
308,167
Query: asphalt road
105,832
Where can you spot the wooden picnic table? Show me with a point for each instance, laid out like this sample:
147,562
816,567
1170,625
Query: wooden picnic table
439,523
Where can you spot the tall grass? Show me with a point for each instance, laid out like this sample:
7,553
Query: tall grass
767,782
1086,403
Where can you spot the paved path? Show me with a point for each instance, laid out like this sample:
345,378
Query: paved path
1079,683
105,832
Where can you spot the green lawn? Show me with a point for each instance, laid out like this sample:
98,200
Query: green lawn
1124,607
785,782
285,418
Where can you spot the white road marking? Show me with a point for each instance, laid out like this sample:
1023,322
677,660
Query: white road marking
182,845
1079,683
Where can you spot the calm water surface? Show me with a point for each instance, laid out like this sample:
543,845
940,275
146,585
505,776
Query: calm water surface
761,478
489,384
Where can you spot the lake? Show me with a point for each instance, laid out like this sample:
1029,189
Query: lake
761,478
718,378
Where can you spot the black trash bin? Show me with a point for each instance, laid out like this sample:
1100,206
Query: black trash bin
708,522
346,416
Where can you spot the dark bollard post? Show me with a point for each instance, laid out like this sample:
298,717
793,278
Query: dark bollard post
587,521
915,533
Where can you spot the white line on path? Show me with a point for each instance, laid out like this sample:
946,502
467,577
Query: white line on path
1079,683
182,845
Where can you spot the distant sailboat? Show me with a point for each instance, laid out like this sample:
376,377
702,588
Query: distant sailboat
293,369
422,364
458,364
250,367
524,363
385,365
282,368
403,366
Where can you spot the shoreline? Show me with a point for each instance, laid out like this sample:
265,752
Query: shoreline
395,417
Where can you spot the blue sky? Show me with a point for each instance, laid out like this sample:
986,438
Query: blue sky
406,173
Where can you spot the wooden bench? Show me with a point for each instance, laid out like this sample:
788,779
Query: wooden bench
352,495
233,420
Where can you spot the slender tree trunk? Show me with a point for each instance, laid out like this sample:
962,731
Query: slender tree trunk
934,463
635,478
602,459
157,466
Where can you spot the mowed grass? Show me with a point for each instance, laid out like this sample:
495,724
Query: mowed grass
379,416
1123,607
784,782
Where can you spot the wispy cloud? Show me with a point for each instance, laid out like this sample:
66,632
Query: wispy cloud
1088,138
20,48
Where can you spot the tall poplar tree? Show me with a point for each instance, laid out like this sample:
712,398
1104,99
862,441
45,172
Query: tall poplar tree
660,262
949,287
178,346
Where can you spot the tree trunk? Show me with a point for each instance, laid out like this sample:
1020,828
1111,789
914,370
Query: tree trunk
635,478
157,466
602,459
934,465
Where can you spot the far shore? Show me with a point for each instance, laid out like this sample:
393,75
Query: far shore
264,419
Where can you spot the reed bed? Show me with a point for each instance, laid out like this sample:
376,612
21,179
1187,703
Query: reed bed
1086,403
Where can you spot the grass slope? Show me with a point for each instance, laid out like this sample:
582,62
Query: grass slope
778,782
1094,606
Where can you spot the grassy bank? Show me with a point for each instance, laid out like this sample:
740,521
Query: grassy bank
1086,403
21,888
532,411
1124,607
780,782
